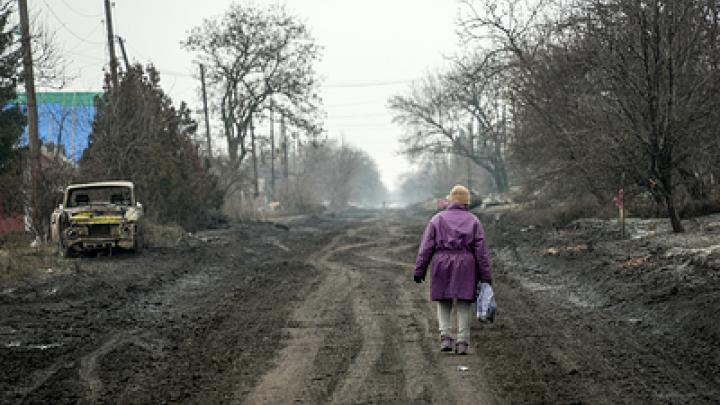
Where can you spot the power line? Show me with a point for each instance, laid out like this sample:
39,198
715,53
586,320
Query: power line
172,87
86,56
89,65
62,24
174,73
132,48
79,13
365,126
89,34
359,115
356,103
369,84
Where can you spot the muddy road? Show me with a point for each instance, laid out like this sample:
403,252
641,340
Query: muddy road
322,309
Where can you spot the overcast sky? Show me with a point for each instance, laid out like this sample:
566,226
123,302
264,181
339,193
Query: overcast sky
372,50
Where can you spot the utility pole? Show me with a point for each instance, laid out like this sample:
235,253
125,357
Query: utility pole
293,153
471,147
272,152
296,166
254,157
283,135
32,116
111,45
122,49
207,119
286,174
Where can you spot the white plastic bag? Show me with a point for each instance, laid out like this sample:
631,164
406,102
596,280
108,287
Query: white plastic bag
485,306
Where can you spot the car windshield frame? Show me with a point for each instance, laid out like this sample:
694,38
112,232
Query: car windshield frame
100,195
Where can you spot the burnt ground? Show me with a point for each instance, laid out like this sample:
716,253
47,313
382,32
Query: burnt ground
324,310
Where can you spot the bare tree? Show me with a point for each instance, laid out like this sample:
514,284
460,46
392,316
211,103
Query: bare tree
49,62
332,172
465,112
255,55
615,88
60,118
435,175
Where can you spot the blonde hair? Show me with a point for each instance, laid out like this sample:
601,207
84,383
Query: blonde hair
459,194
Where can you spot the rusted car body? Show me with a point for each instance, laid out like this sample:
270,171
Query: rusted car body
102,215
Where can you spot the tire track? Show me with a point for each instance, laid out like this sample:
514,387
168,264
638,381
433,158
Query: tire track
88,371
396,359
430,376
288,380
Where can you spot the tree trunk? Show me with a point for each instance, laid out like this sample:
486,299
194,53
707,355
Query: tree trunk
500,177
233,151
672,213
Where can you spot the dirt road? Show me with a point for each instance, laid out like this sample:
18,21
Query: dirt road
326,312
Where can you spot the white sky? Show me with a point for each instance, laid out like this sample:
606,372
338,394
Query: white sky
372,49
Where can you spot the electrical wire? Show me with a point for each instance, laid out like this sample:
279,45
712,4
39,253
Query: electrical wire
356,103
62,24
79,13
89,34
86,56
132,48
173,73
359,115
369,84
172,87
162,71
366,126
89,65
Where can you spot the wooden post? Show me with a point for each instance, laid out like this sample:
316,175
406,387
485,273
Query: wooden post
254,158
620,203
205,110
111,45
124,53
272,153
468,161
283,135
32,117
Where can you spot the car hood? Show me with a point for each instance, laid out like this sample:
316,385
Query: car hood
103,214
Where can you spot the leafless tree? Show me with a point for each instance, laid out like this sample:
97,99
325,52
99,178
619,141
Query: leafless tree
60,117
434,175
49,63
331,172
465,112
254,56
616,88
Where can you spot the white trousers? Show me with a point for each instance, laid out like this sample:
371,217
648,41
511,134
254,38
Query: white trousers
464,313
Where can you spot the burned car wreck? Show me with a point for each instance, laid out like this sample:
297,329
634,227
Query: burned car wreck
93,216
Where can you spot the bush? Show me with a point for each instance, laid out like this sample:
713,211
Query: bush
140,136
161,235
697,208
556,214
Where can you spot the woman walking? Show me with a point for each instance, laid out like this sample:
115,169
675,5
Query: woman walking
455,240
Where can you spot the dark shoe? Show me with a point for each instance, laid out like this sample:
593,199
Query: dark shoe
461,348
446,343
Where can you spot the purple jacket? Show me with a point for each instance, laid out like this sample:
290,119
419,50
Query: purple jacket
455,240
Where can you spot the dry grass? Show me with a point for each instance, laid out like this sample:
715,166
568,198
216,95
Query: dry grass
554,251
18,259
162,236
557,214
240,210
636,261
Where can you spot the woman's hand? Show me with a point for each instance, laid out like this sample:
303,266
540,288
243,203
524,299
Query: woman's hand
419,279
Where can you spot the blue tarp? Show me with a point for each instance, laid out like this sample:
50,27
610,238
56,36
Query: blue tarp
68,114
